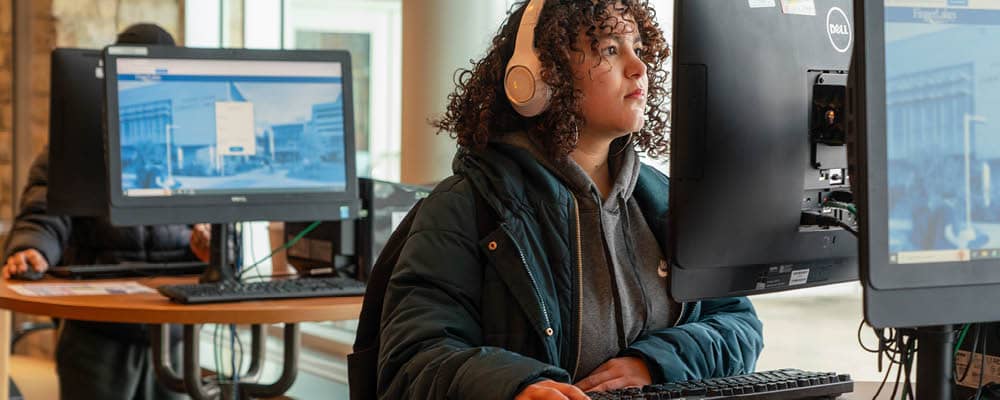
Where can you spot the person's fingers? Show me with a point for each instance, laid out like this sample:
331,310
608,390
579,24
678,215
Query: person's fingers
595,378
538,392
616,383
36,260
572,392
20,263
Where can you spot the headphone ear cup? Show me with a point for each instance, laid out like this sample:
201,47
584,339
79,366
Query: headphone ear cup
526,91
523,84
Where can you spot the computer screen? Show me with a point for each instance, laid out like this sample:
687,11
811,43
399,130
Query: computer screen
230,135
76,135
758,166
943,132
929,141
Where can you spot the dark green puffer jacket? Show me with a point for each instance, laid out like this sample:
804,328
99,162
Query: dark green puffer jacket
480,317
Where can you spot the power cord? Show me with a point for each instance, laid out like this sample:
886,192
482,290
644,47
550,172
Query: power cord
283,247
899,347
824,220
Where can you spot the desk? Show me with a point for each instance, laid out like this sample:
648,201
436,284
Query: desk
153,308
866,391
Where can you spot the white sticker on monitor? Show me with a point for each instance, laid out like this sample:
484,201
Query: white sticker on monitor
799,7
234,128
761,3
128,51
799,277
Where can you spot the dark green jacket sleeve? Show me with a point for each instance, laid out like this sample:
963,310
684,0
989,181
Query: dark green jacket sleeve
431,340
723,337
33,228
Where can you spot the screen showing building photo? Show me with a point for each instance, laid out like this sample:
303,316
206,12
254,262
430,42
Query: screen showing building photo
943,130
196,127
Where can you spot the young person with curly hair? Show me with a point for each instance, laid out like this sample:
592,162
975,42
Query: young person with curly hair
570,292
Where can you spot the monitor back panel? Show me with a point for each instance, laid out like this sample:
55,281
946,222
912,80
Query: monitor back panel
78,183
742,168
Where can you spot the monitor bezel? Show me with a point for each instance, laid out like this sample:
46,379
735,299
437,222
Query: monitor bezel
873,205
291,198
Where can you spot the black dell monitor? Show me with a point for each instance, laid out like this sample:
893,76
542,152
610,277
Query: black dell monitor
927,116
930,138
228,135
760,195
77,176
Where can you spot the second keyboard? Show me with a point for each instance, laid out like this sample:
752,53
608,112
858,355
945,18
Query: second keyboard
275,289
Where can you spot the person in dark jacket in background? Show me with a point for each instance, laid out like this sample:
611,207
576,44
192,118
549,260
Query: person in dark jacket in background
97,360
570,293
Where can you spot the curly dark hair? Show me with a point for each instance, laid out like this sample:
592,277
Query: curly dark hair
478,110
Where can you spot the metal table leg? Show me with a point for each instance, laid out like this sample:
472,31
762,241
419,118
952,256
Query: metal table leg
192,382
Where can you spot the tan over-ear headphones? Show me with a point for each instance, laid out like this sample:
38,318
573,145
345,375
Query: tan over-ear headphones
523,80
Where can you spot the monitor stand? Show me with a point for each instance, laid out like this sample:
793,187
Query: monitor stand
220,268
935,359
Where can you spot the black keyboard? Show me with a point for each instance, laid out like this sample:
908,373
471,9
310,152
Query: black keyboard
267,290
128,269
783,384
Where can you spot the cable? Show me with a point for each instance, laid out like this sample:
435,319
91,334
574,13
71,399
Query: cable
815,218
982,368
899,347
841,205
961,337
283,247
232,360
972,353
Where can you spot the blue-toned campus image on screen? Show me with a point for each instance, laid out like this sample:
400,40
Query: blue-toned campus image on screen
943,138
190,127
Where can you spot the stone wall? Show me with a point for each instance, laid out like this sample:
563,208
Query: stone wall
59,23
6,121
95,23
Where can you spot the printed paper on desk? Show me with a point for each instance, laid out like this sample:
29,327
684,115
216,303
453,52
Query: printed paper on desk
79,289
761,3
799,7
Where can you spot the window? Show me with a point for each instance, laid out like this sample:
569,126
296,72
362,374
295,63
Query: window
371,31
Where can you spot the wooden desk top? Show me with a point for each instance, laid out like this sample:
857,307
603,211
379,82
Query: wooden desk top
154,308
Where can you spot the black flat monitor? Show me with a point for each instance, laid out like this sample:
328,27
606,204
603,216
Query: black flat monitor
78,177
227,135
926,107
929,135
758,166
351,247
386,204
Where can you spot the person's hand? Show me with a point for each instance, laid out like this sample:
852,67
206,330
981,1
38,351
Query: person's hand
549,389
617,373
20,262
201,241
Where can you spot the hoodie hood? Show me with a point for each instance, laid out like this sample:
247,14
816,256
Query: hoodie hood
624,165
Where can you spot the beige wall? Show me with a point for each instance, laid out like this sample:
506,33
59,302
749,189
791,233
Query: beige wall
439,37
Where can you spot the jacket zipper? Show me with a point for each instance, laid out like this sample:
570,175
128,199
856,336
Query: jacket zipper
680,314
579,290
534,283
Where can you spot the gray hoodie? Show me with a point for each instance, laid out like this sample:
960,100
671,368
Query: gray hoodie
625,290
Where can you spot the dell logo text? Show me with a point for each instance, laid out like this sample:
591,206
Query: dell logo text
838,29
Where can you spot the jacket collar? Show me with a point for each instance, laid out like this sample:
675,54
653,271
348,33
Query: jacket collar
512,181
